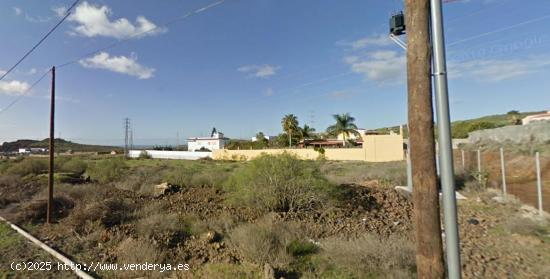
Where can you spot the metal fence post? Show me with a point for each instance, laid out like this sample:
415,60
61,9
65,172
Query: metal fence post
503,170
539,183
478,160
463,162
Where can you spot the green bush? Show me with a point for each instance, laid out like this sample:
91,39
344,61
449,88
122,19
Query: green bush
279,182
29,166
108,170
144,155
301,247
74,165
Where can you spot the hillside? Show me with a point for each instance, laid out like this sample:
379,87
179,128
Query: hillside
461,128
61,145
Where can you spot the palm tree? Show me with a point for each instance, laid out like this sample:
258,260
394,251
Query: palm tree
306,132
290,125
344,126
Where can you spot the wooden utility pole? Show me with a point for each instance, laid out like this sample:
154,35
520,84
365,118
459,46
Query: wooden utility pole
49,214
429,248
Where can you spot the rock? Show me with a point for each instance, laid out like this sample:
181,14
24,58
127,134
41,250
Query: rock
210,236
473,221
163,189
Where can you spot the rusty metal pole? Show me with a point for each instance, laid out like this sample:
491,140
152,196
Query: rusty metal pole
429,245
49,214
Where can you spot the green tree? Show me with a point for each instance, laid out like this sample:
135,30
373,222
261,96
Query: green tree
307,132
514,117
290,126
344,126
261,140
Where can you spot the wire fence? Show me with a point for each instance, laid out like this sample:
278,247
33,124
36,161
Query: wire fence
522,174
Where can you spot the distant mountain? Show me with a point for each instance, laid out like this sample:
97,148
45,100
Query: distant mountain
461,128
61,145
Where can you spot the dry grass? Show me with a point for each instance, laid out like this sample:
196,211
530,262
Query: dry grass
367,256
265,242
139,251
35,211
166,229
388,174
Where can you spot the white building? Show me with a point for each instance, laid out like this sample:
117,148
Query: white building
254,139
352,136
32,150
215,141
536,117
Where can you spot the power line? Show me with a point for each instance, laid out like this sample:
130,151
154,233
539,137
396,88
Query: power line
41,40
499,30
24,93
170,22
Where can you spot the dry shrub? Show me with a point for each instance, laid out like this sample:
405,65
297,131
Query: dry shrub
141,180
35,211
10,189
223,224
166,229
109,212
526,226
266,241
29,166
369,255
83,214
117,211
139,251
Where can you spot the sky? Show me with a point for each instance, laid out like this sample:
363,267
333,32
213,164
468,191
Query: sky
182,67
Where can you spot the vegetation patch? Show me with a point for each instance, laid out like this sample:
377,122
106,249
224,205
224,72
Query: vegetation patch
109,170
280,183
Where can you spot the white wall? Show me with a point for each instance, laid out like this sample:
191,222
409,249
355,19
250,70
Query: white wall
180,155
210,144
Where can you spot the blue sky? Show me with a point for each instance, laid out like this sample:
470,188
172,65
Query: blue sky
240,65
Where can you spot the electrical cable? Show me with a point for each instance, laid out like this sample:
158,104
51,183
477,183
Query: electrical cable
68,12
24,93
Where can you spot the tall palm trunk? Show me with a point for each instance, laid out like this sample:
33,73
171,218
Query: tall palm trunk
289,139
344,141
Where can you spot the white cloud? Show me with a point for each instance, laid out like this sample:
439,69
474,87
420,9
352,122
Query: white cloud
385,66
260,71
378,40
380,66
94,21
34,19
13,87
118,64
17,11
497,70
60,11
